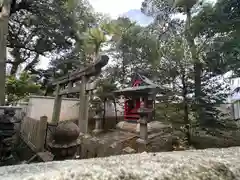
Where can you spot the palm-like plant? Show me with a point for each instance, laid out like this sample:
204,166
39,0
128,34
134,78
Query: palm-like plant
96,37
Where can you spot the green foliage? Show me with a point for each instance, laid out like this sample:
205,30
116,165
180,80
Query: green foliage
220,24
90,40
170,112
95,37
104,88
21,87
43,28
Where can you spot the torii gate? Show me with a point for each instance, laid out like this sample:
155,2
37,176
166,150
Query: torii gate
82,75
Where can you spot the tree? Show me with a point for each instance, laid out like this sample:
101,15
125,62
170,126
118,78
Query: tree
197,43
134,48
86,39
186,7
20,88
33,35
220,23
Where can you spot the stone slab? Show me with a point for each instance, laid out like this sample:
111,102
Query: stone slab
214,164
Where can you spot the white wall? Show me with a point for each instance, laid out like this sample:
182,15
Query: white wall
110,109
43,106
234,83
235,97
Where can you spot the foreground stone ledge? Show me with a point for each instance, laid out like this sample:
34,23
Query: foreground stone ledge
211,164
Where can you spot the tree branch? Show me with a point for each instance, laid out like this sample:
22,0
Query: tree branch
21,46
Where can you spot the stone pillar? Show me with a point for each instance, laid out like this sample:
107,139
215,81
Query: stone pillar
143,128
57,106
83,109
142,141
86,111
69,86
98,124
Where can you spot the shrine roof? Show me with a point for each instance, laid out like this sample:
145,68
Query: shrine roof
148,89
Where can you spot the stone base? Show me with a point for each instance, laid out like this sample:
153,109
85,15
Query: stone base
142,145
97,131
153,127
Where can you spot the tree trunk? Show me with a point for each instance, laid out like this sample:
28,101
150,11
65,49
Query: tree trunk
4,14
2,61
197,68
14,68
185,107
32,64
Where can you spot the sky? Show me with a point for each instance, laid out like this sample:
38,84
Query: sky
115,8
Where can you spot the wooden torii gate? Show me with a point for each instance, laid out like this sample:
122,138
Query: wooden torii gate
65,85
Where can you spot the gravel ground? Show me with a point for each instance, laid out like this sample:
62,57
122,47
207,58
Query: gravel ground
211,164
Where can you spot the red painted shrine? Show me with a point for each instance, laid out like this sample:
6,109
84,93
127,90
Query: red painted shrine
142,93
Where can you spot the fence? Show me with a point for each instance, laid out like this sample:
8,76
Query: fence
33,133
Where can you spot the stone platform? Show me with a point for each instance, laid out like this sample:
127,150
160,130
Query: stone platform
153,127
107,144
214,164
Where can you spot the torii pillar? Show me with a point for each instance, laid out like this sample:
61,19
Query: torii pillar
84,106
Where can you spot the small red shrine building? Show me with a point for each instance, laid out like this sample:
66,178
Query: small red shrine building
142,91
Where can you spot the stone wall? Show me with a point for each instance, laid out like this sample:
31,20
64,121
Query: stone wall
215,164
18,110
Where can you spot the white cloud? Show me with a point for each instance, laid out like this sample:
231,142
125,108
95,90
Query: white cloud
115,8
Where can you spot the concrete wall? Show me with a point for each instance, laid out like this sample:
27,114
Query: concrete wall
43,106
